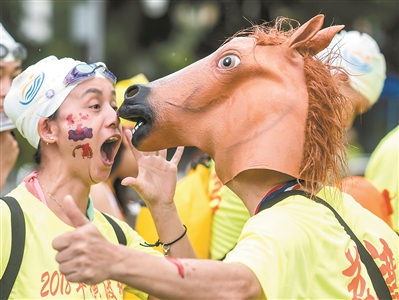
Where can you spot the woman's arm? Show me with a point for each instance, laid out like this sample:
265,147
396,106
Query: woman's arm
86,256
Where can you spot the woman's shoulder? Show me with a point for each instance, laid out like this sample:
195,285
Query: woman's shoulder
20,196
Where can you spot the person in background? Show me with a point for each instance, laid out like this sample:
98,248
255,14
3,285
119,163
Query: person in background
110,196
365,66
383,171
66,109
12,54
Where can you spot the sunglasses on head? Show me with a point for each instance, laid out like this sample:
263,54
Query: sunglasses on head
84,71
19,51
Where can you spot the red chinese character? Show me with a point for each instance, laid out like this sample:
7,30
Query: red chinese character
108,289
358,285
81,286
120,287
94,291
388,265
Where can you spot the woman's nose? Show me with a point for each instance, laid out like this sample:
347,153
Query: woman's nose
114,120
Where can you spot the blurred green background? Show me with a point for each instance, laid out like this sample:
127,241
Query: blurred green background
157,37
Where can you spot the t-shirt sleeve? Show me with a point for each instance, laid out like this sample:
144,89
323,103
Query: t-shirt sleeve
272,252
261,253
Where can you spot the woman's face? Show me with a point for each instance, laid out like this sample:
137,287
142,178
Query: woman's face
8,71
88,132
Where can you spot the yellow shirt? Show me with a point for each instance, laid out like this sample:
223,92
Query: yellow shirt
230,215
383,170
298,250
39,275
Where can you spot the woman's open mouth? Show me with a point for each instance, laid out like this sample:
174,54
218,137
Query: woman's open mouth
109,149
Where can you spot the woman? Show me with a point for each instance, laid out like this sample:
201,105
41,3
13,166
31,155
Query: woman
66,109
12,54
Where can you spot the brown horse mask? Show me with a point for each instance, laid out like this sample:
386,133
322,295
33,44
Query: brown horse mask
245,104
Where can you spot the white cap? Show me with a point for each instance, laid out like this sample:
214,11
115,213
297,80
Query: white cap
361,57
37,93
7,41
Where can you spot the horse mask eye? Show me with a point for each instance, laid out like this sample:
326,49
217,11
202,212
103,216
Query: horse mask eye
229,62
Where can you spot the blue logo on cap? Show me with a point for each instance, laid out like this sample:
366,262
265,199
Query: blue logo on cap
31,89
357,62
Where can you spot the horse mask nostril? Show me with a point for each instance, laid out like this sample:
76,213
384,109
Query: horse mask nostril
131,91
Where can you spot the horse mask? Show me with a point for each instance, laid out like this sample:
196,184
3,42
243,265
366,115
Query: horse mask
245,105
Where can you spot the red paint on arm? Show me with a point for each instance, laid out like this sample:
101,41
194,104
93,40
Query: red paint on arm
178,264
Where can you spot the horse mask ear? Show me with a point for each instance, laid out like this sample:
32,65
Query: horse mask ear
310,31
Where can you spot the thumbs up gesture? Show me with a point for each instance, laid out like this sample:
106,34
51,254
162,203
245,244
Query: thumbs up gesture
73,213
84,254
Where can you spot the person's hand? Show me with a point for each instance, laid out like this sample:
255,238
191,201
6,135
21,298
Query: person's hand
8,155
84,254
157,177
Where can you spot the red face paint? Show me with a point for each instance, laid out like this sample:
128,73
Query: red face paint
70,120
178,264
84,117
86,151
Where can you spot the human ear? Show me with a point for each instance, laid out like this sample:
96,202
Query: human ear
46,130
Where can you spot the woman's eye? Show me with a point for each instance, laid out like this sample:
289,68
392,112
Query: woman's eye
96,106
229,62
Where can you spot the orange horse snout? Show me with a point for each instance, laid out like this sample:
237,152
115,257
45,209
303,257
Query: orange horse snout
135,108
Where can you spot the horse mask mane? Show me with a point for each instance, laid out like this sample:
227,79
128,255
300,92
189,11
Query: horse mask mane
261,101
